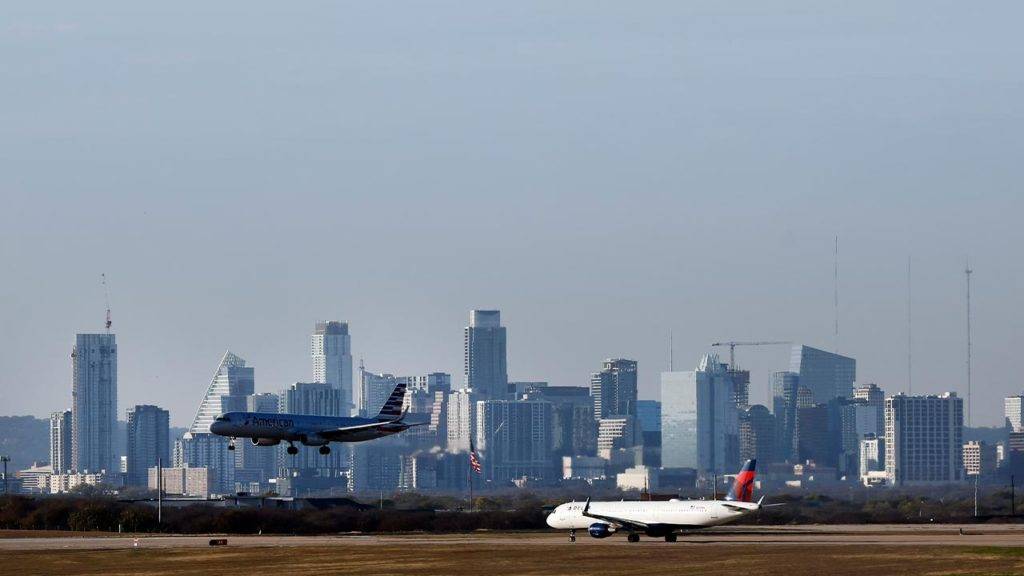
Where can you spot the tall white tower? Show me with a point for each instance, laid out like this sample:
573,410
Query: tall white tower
331,349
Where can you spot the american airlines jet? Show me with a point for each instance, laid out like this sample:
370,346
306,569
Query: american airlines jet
270,429
657,519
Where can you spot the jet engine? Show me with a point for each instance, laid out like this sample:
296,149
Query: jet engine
265,441
600,530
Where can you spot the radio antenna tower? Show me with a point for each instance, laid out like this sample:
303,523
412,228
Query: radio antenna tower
106,299
910,334
671,351
967,274
835,302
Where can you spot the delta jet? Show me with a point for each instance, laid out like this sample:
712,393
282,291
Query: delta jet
657,519
270,429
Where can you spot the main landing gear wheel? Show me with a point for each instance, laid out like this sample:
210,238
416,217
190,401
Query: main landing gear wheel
670,537
633,537
231,444
572,536
292,450
325,450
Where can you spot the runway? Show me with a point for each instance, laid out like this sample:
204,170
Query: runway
839,535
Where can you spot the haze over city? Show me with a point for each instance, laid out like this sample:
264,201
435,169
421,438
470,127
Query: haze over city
602,174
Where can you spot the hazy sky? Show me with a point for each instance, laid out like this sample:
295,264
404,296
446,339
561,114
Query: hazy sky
602,172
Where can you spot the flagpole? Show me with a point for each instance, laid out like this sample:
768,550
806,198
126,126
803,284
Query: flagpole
469,478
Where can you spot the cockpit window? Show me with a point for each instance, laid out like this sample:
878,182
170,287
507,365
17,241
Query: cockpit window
222,419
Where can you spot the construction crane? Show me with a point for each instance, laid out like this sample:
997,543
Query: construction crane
106,298
732,348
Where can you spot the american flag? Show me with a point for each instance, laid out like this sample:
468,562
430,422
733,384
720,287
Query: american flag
474,462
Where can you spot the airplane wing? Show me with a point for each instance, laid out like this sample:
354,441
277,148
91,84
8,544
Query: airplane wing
633,524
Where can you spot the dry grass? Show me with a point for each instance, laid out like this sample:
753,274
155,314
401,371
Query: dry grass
480,558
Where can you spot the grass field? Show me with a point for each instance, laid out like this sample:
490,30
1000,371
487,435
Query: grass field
479,556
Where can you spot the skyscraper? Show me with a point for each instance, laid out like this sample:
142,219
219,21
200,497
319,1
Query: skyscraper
785,403
923,439
231,385
824,374
514,437
613,389
1013,409
331,349
60,441
94,403
757,434
486,370
316,470
461,420
375,390
700,420
148,442
872,395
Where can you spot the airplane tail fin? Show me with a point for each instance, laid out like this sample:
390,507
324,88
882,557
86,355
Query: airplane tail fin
392,409
743,488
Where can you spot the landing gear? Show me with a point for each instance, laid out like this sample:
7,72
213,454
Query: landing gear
231,444
572,536
325,450
670,537
633,537
292,450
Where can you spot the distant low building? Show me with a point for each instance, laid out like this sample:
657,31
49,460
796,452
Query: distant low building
68,481
637,478
583,467
33,480
979,460
184,481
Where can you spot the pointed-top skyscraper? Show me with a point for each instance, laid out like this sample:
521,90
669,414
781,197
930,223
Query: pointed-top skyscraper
231,383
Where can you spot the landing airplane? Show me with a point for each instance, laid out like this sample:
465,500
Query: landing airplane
657,519
269,429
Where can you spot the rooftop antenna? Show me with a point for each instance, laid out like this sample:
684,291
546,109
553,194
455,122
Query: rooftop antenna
910,381
671,351
835,300
106,298
967,274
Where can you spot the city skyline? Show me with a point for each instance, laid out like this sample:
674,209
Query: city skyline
603,175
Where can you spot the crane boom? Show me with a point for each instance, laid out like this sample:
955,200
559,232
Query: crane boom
732,344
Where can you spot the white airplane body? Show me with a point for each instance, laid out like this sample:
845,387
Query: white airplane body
657,518
270,429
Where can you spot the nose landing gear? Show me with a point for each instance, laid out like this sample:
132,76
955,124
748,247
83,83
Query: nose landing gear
633,537
231,444
292,450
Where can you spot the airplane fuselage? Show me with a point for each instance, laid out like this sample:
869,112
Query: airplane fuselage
674,514
310,430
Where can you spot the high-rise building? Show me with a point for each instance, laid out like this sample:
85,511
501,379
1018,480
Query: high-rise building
375,466
785,403
149,442
857,419
1013,408
648,413
613,389
824,374
872,395
60,441
257,464
816,439
94,403
486,370
331,349
923,439
232,383
872,454
514,439
741,387
430,383
615,433
461,420
574,430
979,460
321,470
700,421
757,434
375,389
